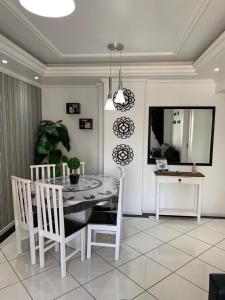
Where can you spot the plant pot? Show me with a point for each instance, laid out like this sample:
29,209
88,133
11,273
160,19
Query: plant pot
74,178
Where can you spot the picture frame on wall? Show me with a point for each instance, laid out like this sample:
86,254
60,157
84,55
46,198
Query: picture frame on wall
86,123
73,108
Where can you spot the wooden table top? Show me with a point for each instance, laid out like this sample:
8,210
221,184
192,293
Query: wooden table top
179,174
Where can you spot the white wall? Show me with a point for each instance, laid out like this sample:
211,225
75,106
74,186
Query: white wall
84,143
188,94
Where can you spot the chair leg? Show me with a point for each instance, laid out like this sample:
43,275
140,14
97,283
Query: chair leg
83,244
41,251
63,259
18,240
32,248
117,249
89,243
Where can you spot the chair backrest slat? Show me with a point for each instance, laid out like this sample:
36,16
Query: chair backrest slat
120,196
42,171
50,209
22,201
66,170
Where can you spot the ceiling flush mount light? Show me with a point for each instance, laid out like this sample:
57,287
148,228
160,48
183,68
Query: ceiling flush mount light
36,77
4,61
49,8
109,103
216,69
119,96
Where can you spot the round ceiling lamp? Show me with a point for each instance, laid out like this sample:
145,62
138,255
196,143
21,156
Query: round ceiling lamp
49,8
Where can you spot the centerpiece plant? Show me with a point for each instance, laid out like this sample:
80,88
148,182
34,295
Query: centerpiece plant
74,164
50,135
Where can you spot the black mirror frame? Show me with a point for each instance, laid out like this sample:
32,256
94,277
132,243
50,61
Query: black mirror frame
151,161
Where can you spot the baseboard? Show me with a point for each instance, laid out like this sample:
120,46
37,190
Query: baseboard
5,232
132,212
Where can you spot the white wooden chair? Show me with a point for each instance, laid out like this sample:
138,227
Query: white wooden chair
66,170
23,213
42,171
107,223
53,226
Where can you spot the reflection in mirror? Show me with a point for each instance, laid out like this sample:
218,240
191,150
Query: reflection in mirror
182,135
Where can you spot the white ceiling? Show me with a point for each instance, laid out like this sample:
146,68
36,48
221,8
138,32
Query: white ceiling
151,30
179,39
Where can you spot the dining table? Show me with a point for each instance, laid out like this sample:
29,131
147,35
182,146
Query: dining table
79,199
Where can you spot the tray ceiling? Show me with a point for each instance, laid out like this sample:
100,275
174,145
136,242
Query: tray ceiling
151,30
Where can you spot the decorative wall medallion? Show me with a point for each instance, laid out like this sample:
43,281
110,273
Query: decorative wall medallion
123,154
129,100
123,127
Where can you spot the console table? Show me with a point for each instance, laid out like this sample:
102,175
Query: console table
166,177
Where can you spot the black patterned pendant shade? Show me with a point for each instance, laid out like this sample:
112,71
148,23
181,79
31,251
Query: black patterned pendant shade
129,100
123,127
123,154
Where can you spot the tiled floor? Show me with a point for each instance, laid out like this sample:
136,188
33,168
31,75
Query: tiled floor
170,259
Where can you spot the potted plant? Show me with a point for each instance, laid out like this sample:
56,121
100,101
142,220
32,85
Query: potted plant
73,164
50,135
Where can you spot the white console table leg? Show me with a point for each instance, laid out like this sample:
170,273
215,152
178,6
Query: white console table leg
157,199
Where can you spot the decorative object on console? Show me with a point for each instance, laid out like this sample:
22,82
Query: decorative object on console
161,164
123,128
73,108
73,164
86,123
123,154
129,101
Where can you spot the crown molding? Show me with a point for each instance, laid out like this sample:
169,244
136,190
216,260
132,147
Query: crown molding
128,71
200,9
18,76
216,49
16,53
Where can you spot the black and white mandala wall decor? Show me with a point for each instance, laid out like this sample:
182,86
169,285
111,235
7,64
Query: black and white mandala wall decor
123,154
129,100
123,127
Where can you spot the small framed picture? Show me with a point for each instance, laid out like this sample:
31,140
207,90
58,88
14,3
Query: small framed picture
161,164
86,123
73,108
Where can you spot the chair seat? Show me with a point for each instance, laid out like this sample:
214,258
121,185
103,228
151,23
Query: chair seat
102,217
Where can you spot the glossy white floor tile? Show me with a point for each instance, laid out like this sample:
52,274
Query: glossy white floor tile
7,275
215,257
142,242
151,251
89,269
216,225
77,294
169,257
198,272
190,245
128,231
113,286
206,235
163,233
24,269
144,271
14,292
177,288
126,254
145,296
2,257
141,223
49,285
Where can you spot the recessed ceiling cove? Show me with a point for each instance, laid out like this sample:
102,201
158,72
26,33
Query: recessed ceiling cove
153,31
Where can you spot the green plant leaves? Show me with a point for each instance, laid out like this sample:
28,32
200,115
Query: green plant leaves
55,156
63,135
73,163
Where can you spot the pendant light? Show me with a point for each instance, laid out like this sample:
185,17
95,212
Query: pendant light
120,96
109,103
49,8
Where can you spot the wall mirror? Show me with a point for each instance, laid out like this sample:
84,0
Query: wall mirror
182,135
